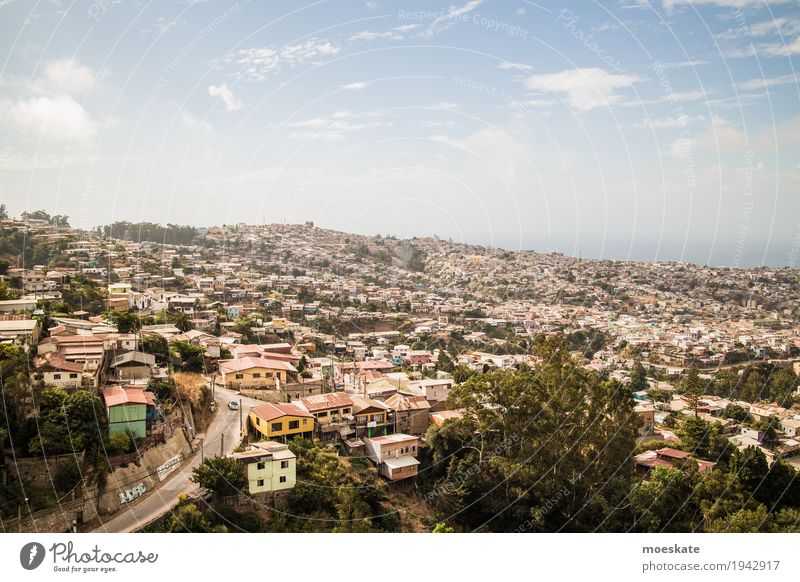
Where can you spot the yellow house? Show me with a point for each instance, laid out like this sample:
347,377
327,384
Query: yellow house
371,416
268,466
281,422
254,372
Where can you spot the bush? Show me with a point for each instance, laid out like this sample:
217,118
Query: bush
120,442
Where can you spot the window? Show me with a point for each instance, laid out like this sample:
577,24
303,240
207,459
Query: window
322,415
256,374
305,421
294,424
261,466
283,479
284,464
57,376
269,374
277,426
345,411
73,375
239,376
260,482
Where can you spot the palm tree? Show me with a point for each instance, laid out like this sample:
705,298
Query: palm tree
182,321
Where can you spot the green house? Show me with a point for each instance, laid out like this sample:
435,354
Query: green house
126,409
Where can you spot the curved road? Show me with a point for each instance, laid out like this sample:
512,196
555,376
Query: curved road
161,500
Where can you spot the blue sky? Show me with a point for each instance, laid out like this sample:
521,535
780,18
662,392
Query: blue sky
665,130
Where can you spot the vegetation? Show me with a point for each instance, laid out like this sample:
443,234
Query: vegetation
222,475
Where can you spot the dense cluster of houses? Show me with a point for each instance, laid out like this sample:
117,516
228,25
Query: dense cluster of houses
263,302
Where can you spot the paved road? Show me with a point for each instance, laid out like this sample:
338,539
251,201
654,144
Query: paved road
161,500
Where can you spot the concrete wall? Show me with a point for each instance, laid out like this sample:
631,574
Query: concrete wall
136,480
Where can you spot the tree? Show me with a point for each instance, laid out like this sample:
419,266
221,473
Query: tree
664,503
639,377
191,355
692,389
702,438
743,521
222,475
579,428
750,468
735,412
155,344
126,321
182,321
444,362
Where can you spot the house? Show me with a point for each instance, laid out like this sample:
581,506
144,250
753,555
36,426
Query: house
333,414
439,418
185,304
394,455
372,416
268,466
126,409
21,331
255,372
435,390
280,421
132,366
667,457
17,305
55,371
646,414
791,426
411,413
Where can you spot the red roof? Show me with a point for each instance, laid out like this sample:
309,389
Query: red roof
326,401
271,411
117,395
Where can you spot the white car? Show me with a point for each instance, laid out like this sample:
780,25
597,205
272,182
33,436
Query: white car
233,405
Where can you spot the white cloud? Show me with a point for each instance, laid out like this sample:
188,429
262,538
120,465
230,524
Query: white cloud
372,35
232,103
357,86
65,75
508,66
333,127
58,118
261,62
584,88
768,82
447,19
199,125
678,121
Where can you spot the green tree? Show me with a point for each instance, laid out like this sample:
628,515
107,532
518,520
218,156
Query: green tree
703,439
222,475
639,377
156,344
664,502
692,388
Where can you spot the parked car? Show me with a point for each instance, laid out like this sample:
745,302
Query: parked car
233,405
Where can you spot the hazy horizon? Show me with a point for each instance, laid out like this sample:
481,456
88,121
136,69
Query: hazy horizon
662,130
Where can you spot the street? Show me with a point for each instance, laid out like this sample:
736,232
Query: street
160,501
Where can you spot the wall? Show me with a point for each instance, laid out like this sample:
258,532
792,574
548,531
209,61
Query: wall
129,479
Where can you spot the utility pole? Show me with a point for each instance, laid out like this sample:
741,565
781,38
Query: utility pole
222,445
241,421
202,450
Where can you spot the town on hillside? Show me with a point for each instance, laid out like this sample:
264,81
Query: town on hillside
285,377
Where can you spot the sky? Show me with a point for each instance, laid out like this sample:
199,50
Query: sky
627,129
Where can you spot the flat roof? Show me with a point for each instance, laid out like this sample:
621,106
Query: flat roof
401,462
